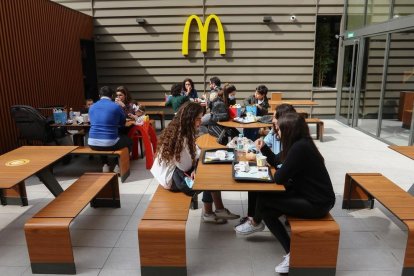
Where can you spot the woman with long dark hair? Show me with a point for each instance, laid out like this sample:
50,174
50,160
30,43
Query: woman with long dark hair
309,192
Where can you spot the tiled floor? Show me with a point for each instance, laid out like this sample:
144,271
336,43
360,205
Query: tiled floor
105,240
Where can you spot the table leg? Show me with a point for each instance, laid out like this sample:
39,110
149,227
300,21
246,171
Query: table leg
50,181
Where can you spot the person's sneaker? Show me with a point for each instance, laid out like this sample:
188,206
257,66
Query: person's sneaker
283,267
105,168
248,228
212,218
116,169
225,214
241,221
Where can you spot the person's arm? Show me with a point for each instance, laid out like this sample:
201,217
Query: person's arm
292,165
272,159
169,102
248,101
269,138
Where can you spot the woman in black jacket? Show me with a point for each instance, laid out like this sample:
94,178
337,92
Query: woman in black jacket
309,192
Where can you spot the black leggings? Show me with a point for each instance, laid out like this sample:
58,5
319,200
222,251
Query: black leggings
270,206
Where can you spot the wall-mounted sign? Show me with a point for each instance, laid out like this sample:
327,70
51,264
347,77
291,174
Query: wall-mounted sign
203,30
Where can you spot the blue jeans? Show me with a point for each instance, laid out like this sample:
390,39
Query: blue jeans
207,198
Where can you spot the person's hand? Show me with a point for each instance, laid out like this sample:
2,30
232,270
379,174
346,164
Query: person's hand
132,116
192,175
259,144
118,101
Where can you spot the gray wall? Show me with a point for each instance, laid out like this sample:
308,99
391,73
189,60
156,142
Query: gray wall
147,59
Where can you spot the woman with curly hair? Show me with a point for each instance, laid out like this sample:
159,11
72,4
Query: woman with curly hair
177,157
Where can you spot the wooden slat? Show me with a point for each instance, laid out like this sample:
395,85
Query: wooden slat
76,197
38,37
48,240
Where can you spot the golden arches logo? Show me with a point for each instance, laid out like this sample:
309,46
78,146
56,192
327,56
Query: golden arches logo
203,30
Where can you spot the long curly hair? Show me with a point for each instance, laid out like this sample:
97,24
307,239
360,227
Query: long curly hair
181,129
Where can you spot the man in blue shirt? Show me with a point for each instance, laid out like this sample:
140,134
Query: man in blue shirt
106,117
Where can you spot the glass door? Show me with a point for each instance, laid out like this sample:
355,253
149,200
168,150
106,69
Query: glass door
349,81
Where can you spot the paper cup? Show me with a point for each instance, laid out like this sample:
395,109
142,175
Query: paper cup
261,160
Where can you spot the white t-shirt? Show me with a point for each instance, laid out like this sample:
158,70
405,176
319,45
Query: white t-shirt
163,172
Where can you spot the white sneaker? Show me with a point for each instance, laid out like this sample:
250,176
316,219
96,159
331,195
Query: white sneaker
212,218
283,267
105,168
248,228
116,169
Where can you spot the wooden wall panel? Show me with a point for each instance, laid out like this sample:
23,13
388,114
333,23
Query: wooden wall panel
40,59
147,59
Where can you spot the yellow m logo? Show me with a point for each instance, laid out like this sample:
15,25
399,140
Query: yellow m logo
203,29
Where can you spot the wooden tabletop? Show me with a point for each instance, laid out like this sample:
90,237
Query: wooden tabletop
218,177
294,102
239,125
404,150
208,141
152,103
21,163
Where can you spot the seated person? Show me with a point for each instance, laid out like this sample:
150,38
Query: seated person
259,99
188,89
106,117
124,100
139,115
177,99
88,104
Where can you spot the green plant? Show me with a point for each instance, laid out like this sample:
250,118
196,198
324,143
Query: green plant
323,59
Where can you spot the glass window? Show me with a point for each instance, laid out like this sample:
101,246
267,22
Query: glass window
378,11
326,50
355,14
399,89
370,92
403,8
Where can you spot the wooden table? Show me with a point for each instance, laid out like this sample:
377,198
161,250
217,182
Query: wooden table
294,102
404,150
208,141
22,163
152,103
218,177
240,125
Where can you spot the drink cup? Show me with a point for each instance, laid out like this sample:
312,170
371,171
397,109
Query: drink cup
261,160
85,118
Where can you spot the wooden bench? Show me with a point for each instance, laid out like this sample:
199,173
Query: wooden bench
47,233
157,114
360,191
319,127
122,155
308,236
161,234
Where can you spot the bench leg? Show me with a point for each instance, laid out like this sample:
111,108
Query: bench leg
49,245
408,267
354,196
306,239
162,247
123,163
15,195
108,196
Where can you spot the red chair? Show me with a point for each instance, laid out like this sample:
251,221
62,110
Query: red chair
146,134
